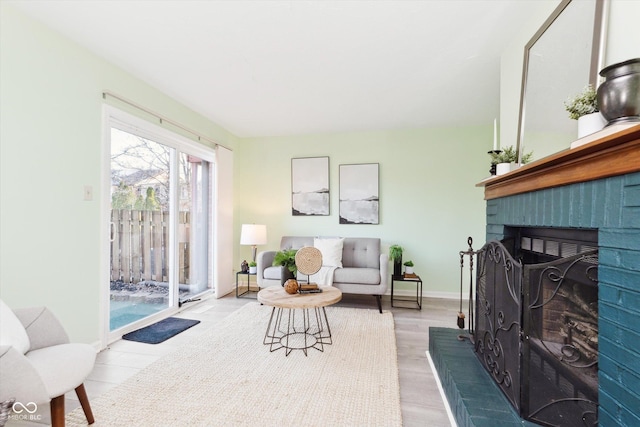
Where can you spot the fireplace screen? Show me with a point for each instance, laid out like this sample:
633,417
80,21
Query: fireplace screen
560,357
537,330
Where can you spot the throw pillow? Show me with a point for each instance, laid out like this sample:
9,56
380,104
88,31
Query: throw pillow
331,250
12,333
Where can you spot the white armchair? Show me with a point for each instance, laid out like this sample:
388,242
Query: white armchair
38,364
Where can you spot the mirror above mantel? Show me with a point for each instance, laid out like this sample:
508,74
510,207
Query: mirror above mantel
563,56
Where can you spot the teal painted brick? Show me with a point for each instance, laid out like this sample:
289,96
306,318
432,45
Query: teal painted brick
632,179
622,337
492,208
623,238
547,207
521,214
576,205
600,203
499,217
560,213
631,217
610,349
618,314
588,201
613,200
620,258
624,398
618,296
605,419
612,414
626,279
508,207
617,389
611,294
632,195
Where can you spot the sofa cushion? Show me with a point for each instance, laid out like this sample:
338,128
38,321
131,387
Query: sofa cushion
274,273
361,252
331,249
295,242
365,276
12,332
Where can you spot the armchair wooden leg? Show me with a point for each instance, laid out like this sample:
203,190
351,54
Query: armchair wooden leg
57,411
379,301
84,401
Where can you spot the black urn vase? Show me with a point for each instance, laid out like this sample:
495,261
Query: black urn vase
619,95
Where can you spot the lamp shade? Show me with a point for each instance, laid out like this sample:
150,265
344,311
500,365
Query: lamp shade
253,234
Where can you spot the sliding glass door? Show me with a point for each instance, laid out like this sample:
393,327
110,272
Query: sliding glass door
194,226
160,221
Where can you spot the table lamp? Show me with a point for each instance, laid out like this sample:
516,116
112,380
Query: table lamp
253,234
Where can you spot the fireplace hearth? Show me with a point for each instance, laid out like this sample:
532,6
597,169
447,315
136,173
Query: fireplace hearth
537,322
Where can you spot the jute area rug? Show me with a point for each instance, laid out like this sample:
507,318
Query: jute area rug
227,377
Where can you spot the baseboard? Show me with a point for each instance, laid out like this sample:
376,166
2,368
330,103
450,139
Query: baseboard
427,294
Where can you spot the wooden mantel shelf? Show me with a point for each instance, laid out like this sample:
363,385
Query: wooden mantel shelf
613,154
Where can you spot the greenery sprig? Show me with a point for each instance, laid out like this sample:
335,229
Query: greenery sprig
286,258
510,155
584,103
395,252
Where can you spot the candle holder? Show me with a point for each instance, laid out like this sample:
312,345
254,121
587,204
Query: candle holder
492,171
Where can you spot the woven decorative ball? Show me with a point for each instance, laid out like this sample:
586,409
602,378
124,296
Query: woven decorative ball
291,286
308,260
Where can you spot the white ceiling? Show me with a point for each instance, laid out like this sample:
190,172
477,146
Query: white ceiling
266,68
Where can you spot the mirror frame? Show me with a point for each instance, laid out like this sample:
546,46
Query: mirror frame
597,55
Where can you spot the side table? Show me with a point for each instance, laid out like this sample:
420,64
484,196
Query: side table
418,299
248,291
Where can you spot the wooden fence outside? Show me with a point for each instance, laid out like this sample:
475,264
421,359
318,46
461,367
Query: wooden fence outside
140,246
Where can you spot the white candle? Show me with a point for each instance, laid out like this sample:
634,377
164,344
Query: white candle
495,134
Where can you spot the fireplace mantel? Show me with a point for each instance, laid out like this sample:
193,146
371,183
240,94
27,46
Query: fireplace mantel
610,155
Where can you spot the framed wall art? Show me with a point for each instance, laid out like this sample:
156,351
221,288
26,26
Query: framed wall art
310,186
359,194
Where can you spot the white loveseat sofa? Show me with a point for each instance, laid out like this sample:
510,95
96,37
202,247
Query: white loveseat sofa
364,268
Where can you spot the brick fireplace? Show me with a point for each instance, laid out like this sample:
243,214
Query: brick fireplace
593,187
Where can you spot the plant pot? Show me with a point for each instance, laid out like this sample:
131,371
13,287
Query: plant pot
619,95
408,270
590,123
285,275
253,270
502,168
397,267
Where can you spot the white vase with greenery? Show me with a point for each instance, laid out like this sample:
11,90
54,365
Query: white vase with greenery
506,160
590,123
584,108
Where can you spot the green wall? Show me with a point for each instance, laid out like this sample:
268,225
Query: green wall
428,200
50,148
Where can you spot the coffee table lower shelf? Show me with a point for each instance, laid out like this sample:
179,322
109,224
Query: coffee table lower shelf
312,331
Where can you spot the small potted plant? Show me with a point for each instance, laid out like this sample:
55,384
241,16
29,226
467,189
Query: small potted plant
395,254
584,108
505,160
286,259
253,267
408,267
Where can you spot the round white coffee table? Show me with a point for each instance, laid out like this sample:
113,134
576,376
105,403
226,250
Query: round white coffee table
284,331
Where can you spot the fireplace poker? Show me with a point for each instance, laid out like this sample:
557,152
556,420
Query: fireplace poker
460,313
470,252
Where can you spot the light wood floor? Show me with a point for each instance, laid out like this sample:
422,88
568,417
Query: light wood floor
420,400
